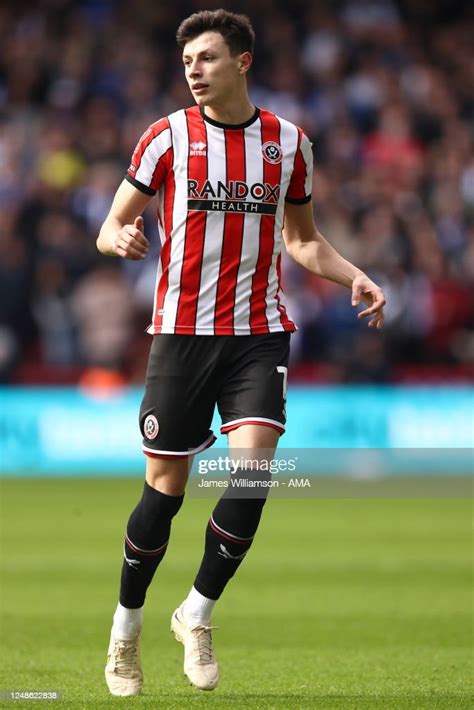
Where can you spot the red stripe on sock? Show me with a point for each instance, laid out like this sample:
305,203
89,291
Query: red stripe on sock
146,553
229,536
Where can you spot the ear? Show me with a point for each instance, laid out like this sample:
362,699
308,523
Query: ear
245,62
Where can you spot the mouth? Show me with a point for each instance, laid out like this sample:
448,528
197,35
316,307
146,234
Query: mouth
199,88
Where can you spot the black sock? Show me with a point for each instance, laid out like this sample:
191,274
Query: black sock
229,533
148,532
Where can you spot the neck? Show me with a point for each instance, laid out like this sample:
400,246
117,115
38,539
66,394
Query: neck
234,111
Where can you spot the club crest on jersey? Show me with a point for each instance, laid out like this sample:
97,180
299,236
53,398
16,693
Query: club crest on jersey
151,427
197,148
272,152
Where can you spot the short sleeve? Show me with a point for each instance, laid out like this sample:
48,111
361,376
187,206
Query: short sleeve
151,158
301,181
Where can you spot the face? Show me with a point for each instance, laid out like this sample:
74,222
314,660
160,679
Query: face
212,73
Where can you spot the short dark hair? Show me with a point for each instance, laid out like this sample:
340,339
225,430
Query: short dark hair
236,30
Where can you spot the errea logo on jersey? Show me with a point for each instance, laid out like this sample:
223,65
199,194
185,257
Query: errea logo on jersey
197,148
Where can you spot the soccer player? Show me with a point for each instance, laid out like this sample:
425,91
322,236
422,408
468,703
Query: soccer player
233,181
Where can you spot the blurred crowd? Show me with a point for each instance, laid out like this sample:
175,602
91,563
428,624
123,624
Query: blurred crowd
383,89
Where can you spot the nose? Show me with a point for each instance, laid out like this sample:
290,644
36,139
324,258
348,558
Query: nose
194,70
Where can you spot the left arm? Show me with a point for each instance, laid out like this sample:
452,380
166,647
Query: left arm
307,246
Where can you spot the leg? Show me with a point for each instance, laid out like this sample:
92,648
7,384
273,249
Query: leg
234,520
229,535
148,532
145,545
175,416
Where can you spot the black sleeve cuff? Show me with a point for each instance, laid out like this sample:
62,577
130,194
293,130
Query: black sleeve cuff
301,201
139,185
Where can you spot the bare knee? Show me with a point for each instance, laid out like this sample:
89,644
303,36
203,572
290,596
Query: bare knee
168,476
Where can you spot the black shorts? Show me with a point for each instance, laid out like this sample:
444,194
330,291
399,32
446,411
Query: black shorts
245,375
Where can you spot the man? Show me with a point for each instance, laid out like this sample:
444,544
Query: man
227,176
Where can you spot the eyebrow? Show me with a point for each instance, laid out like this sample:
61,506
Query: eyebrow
204,51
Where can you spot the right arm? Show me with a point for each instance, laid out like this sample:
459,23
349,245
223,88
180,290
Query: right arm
122,232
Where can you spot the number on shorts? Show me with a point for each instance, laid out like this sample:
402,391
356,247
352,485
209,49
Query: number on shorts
284,371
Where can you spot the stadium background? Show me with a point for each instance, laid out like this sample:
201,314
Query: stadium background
384,90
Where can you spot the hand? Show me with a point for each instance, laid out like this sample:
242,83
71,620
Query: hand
366,290
130,242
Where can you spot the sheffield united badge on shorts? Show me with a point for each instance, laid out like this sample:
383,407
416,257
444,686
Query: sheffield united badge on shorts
151,427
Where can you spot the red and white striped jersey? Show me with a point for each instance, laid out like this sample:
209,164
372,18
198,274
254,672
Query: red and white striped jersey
221,196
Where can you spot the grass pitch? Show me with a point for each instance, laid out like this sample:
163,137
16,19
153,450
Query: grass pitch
340,604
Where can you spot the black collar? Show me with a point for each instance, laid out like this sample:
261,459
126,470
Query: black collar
234,126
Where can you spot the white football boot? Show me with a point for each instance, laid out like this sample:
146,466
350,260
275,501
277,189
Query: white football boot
200,664
123,671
